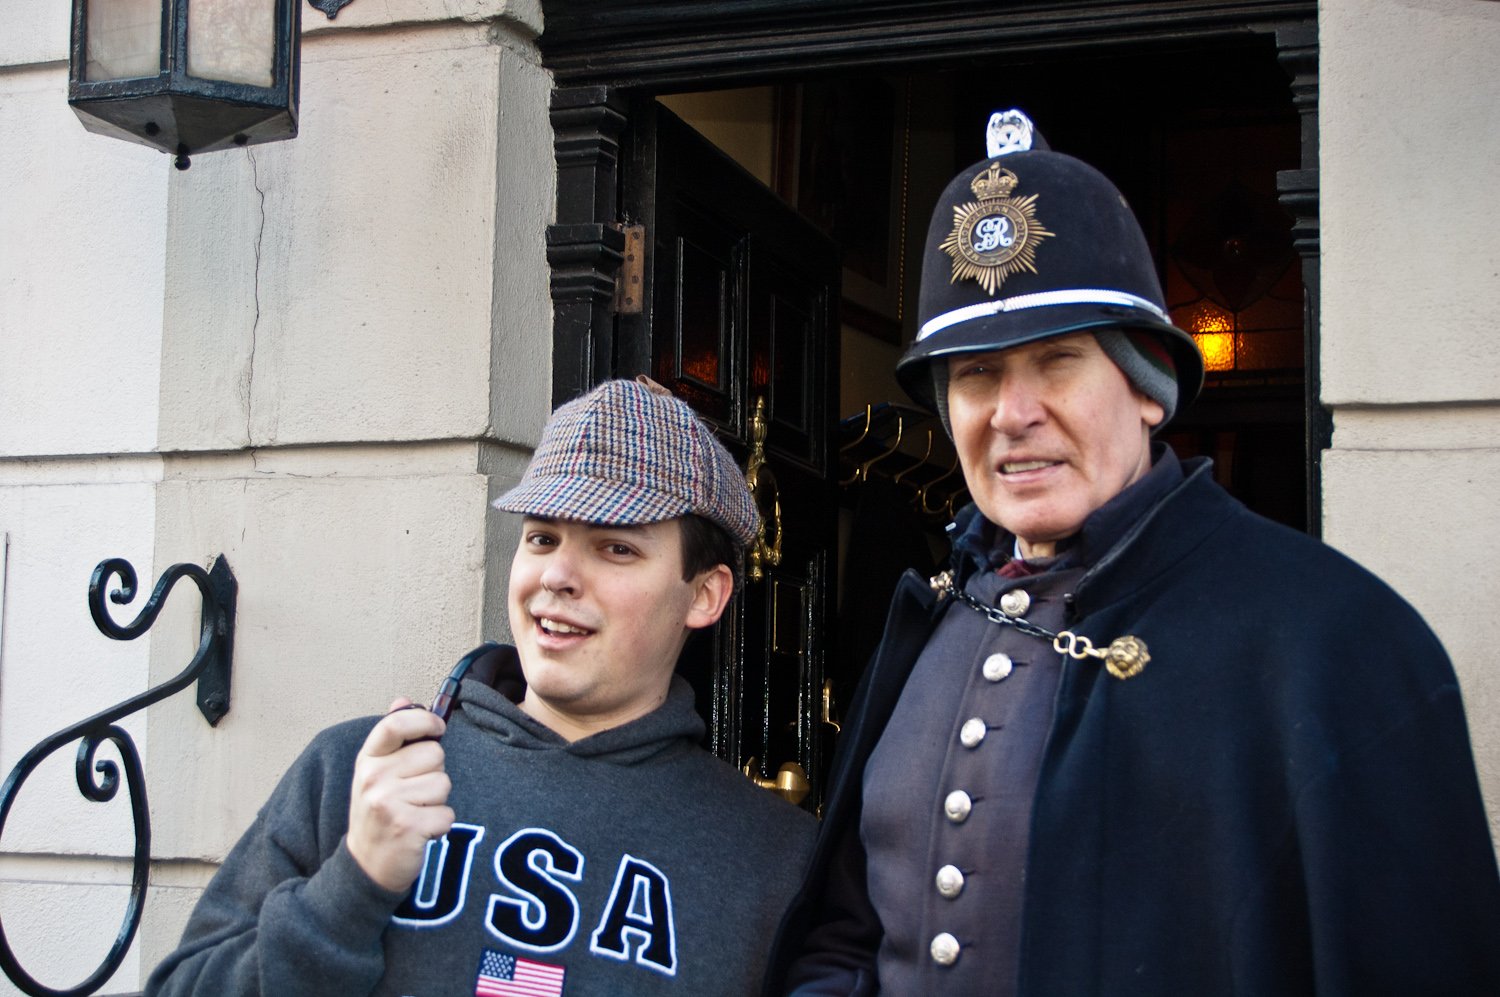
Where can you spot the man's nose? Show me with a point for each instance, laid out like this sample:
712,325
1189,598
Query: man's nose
561,574
1018,406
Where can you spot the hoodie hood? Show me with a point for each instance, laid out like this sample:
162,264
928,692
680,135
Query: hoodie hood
672,727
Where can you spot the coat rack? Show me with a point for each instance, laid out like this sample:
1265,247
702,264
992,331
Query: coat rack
209,668
871,445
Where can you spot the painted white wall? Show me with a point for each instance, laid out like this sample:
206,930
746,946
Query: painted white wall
82,228
368,314
36,32
62,518
1410,139
321,358
361,577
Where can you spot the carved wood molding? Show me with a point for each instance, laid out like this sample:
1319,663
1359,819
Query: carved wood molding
659,43
586,246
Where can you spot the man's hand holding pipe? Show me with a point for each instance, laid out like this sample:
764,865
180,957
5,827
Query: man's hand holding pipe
398,801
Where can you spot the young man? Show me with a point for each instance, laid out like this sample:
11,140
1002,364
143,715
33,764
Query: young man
563,833
1138,740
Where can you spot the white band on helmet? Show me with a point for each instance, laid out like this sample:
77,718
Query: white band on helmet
1041,299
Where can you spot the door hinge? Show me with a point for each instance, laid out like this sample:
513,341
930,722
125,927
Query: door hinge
630,281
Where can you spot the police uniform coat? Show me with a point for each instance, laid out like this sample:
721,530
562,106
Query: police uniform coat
1283,802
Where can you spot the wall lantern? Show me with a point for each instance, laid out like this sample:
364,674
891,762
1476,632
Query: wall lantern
186,76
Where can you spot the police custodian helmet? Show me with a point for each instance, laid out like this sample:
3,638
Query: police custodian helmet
1031,243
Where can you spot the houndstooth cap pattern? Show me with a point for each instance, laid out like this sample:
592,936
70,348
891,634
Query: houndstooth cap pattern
626,454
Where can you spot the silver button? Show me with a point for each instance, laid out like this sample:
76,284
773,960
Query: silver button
997,667
1015,603
957,806
950,881
973,732
945,949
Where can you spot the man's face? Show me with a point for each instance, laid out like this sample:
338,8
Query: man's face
600,613
1047,432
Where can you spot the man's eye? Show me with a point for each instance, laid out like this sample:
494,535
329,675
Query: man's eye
540,540
620,550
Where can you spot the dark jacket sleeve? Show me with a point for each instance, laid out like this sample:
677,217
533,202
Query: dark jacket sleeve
838,956
290,913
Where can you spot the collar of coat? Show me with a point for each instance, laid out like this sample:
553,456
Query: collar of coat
1107,533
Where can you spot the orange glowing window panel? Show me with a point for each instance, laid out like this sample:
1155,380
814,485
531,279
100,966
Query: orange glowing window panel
1213,330
1203,316
1218,349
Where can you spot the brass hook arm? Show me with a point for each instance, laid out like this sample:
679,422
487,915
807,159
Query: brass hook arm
869,421
862,473
922,495
896,479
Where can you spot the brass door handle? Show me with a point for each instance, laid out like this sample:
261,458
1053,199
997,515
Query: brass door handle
762,554
790,783
828,707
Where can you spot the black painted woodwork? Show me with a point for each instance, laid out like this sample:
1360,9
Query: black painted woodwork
1297,48
609,58
586,245
740,303
704,44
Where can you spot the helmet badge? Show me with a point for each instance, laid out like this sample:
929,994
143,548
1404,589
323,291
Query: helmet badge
995,236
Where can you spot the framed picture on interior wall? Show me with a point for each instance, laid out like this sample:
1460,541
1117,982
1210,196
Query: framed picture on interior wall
851,162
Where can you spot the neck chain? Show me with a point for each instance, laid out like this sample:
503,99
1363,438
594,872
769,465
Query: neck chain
1124,658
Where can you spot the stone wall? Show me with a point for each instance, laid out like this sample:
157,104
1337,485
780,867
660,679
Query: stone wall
1410,116
321,358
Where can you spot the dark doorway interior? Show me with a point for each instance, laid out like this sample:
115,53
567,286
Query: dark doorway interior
1194,137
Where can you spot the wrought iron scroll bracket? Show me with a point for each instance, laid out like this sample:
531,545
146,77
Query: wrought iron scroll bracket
209,668
330,7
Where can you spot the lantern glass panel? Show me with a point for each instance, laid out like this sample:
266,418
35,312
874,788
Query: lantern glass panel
123,39
232,40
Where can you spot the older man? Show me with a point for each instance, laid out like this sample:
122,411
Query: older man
1138,740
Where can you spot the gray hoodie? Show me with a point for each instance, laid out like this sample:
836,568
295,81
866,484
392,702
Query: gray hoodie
628,862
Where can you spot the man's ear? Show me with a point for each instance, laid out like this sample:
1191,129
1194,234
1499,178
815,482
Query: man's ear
711,592
1152,412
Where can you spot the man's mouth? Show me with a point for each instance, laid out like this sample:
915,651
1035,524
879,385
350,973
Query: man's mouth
558,628
1022,466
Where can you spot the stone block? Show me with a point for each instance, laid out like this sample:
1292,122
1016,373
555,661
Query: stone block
1410,134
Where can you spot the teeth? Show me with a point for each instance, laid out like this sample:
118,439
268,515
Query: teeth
556,627
1029,465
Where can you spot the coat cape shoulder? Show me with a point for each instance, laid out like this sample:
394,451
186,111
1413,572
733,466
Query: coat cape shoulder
1283,802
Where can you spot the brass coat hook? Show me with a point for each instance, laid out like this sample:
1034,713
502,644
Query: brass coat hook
869,421
862,473
953,501
922,495
896,478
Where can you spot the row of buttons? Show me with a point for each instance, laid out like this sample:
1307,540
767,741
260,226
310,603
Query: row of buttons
958,804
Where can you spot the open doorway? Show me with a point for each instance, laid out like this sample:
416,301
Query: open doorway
1193,136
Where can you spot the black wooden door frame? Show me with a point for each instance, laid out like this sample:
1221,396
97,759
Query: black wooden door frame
603,55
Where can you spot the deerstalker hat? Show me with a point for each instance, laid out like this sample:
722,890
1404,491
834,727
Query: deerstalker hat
629,453
1028,244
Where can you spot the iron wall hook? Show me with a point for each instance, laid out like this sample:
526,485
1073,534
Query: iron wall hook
209,667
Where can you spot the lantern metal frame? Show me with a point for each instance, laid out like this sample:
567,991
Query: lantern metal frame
182,114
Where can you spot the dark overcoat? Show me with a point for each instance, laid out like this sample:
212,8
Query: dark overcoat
1283,802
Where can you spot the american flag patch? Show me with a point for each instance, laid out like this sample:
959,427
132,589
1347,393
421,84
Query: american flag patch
503,975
